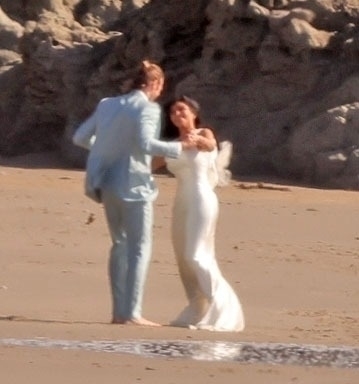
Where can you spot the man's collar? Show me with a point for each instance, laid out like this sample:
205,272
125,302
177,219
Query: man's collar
143,94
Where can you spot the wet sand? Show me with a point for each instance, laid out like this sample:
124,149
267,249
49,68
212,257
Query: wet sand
291,253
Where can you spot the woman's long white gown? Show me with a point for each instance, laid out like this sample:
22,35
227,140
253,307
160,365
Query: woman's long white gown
213,303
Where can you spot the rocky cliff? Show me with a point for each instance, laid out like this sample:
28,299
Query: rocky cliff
279,78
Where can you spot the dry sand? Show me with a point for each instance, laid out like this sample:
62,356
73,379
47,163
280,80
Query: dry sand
291,253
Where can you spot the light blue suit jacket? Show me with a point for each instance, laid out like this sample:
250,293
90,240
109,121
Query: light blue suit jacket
122,135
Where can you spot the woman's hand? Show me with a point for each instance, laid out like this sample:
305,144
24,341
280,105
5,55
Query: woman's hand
157,162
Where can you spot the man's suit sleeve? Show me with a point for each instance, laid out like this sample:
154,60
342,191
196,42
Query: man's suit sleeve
149,130
85,134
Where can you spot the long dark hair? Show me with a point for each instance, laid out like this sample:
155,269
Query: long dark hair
169,130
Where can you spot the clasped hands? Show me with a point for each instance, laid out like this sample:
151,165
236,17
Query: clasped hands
192,141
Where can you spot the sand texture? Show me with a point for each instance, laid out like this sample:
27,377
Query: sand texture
291,253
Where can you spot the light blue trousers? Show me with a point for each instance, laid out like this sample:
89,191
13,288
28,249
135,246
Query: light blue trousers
130,225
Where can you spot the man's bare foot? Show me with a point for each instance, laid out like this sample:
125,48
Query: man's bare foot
118,320
142,322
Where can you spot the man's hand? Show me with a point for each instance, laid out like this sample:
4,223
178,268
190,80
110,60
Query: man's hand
204,141
190,142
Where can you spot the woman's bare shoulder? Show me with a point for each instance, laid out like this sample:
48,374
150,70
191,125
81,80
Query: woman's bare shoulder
205,131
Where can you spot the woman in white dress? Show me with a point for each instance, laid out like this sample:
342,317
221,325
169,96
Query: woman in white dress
212,303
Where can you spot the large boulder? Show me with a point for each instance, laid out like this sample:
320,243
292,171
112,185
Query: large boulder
325,149
279,78
10,32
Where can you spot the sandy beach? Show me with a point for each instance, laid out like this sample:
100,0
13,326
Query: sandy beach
291,253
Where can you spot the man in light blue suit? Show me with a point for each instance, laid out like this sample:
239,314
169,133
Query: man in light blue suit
122,136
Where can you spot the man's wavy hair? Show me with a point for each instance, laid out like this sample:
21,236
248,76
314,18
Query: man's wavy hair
147,72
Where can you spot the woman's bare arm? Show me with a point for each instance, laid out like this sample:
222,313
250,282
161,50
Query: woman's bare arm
206,140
